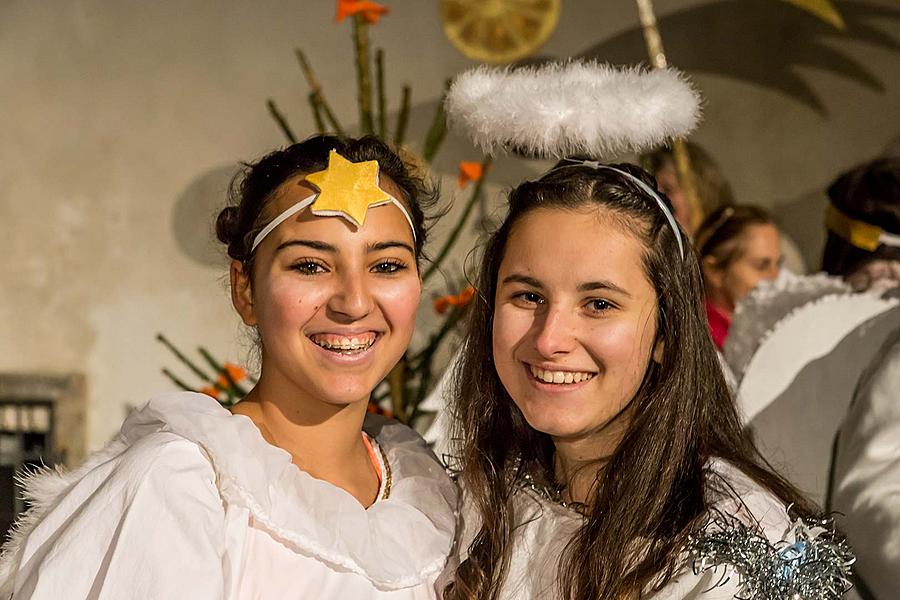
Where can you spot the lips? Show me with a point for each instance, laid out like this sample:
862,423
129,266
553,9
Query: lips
356,343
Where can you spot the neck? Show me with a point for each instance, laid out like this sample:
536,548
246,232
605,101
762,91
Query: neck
579,461
717,298
323,439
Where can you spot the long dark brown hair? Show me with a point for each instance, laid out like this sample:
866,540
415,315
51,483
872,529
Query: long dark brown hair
650,493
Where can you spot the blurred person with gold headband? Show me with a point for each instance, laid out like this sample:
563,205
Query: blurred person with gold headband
295,492
863,223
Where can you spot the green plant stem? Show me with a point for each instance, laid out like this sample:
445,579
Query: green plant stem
403,116
316,88
177,381
436,338
184,359
379,87
397,384
363,74
460,223
423,362
316,111
282,122
438,129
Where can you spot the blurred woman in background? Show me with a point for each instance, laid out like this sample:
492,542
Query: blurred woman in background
738,246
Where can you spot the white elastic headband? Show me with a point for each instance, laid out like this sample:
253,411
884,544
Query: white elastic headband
296,208
644,187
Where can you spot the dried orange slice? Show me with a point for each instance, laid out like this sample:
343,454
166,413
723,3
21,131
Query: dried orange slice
499,31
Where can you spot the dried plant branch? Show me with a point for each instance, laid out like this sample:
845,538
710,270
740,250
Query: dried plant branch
281,121
460,223
363,74
316,88
382,100
403,117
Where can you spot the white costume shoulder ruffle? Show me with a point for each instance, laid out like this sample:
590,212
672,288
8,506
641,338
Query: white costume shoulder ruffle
545,528
173,493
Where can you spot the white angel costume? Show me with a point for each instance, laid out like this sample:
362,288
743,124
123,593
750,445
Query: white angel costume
745,516
189,501
866,484
798,348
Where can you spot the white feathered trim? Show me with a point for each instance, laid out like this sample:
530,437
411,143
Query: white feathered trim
42,487
565,109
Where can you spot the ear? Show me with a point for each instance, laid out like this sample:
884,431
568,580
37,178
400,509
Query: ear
242,293
658,350
712,274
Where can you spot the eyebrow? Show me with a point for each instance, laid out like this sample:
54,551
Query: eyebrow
331,248
582,287
379,246
517,278
589,286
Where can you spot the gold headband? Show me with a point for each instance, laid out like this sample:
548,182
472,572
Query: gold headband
858,233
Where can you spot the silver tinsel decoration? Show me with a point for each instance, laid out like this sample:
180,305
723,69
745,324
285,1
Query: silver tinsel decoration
814,566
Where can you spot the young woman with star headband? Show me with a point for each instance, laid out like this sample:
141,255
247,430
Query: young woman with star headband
599,450
296,492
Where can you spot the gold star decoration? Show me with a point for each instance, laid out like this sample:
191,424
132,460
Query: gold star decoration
347,189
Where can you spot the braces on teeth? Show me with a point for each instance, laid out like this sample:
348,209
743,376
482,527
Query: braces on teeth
345,346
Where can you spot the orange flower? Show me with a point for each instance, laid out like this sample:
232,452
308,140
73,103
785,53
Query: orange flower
236,372
469,171
459,300
371,11
374,408
210,391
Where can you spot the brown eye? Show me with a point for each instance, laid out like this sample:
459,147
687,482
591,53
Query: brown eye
530,298
308,267
599,305
389,266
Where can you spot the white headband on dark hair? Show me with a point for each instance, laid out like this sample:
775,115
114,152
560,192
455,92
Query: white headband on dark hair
644,188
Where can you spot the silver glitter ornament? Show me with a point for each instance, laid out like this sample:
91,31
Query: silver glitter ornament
814,566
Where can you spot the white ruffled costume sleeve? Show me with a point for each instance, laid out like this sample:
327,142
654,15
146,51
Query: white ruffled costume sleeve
147,523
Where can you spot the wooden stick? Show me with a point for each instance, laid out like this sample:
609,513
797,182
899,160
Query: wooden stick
658,60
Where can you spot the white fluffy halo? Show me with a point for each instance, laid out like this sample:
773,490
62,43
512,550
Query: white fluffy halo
565,109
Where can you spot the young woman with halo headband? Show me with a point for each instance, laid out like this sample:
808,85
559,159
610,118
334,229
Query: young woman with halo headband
598,449
295,492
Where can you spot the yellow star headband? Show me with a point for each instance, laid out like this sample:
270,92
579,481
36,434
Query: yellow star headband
346,189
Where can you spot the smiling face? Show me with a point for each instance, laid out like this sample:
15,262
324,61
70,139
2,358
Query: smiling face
574,323
334,306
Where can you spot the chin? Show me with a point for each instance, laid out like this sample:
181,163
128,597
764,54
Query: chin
554,423
339,393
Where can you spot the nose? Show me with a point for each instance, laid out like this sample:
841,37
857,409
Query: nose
554,335
771,273
352,299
